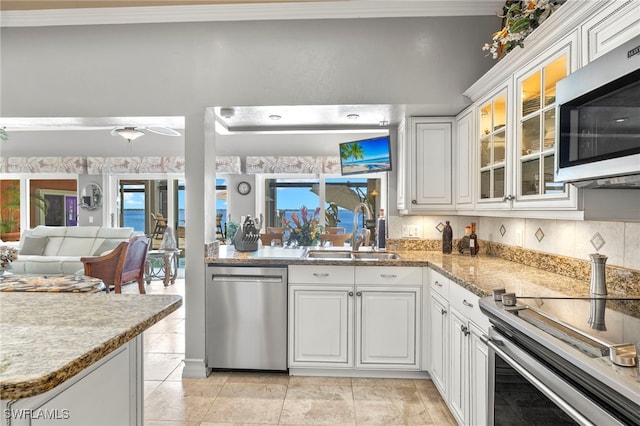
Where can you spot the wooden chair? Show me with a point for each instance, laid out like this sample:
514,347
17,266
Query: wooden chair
123,265
267,238
334,230
160,226
219,230
337,240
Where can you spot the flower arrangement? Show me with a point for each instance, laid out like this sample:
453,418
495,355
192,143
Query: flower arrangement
7,255
520,19
303,230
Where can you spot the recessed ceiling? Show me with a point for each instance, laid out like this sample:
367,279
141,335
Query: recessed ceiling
307,117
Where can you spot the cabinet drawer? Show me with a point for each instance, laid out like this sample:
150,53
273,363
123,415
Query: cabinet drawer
439,283
467,304
320,274
388,275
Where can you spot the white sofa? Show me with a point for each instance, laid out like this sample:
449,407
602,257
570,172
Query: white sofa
58,249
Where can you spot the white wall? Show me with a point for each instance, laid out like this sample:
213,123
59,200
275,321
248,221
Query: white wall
180,69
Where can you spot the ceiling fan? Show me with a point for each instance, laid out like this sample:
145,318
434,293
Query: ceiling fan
132,133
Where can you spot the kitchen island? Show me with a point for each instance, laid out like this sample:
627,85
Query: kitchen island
75,358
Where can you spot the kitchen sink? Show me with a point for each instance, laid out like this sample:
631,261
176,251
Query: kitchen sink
375,255
329,254
348,255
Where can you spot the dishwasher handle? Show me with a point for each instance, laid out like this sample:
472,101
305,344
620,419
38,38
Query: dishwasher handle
247,278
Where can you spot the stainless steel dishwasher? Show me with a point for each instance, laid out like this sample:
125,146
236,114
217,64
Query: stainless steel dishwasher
246,314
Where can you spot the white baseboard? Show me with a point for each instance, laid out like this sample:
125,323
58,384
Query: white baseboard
195,369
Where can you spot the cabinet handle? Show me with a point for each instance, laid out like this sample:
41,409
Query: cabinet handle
438,284
443,311
414,202
465,330
388,275
358,293
319,275
508,198
465,303
350,294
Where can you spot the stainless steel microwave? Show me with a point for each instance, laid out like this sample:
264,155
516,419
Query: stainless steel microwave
598,121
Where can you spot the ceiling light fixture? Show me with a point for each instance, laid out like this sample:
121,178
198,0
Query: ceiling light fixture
129,133
353,116
621,119
227,112
275,117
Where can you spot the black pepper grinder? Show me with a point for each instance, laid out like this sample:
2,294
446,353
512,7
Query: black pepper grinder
447,238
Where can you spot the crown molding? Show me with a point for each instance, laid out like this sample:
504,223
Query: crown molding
250,12
561,23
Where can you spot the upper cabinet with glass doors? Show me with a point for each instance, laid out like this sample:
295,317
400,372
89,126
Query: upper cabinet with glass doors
535,132
492,119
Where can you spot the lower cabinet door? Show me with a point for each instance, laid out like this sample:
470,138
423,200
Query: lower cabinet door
459,372
321,326
479,378
387,327
439,347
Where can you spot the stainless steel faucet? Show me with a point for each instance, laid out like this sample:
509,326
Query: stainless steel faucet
355,239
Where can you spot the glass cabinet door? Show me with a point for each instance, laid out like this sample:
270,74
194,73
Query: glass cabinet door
537,130
493,125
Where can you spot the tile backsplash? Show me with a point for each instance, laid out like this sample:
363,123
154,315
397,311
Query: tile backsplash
620,241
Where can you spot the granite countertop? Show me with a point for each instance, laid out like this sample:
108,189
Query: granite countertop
480,274
49,337
54,283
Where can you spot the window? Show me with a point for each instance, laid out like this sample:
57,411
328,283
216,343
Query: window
338,197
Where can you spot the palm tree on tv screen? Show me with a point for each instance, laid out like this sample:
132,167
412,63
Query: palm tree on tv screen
352,150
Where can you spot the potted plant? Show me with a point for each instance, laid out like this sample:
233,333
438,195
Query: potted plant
303,230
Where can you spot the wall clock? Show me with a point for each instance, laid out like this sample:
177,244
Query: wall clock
244,188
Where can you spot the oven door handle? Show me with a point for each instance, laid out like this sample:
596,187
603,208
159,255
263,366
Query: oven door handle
495,346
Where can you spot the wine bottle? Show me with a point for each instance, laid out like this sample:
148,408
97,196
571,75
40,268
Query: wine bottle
381,231
447,238
473,240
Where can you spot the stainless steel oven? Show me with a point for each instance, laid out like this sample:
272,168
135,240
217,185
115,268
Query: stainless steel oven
537,377
598,113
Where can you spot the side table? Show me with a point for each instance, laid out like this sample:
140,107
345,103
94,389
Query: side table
162,264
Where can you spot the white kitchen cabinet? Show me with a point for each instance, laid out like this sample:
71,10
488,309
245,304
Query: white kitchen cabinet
533,150
459,361
360,318
478,376
439,344
387,326
468,385
89,397
613,25
321,326
464,149
459,365
494,135
425,157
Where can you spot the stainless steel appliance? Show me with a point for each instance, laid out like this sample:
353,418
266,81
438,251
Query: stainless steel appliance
598,113
563,361
246,317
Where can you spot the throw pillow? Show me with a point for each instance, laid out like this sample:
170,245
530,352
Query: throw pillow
34,245
107,245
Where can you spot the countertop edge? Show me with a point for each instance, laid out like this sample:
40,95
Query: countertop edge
356,262
29,388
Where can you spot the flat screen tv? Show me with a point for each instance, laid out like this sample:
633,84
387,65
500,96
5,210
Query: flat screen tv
365,156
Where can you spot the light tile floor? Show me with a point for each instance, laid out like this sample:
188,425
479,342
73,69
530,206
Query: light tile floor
226,398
